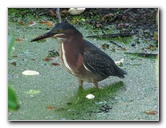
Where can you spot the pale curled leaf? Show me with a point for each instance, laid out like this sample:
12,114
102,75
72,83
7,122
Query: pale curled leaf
76,11
90,96
30,72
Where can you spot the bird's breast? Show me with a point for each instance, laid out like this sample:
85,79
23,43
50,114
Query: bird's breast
71,58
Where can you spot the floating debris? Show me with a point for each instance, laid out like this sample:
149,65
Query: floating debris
120,62
104,102
133,44
105,46
53,53
32,92
105,108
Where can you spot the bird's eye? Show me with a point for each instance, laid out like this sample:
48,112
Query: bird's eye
60,30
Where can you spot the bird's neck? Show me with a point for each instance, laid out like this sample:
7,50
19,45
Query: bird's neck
73,41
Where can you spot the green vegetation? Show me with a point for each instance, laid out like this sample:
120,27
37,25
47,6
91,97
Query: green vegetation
12,98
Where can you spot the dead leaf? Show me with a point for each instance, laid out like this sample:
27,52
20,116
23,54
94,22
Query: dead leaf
52,13
55,64
13,63
107,15
122,25
156,36
15,56
30,72
149,112
49,23
19,39
123,49
32,23
47,59
22,23
151,47
50,107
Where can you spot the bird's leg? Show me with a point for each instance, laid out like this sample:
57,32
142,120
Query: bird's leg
95,84
80,82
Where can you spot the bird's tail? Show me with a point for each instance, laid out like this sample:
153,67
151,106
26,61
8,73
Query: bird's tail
121,73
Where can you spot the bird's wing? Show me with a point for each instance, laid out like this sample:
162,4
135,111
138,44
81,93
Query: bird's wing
98,62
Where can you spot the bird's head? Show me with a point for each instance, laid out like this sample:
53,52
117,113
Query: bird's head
60,30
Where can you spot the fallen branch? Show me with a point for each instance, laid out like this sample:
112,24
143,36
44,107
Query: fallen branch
111,35
143,54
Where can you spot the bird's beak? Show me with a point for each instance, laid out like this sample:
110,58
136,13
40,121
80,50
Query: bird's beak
46,35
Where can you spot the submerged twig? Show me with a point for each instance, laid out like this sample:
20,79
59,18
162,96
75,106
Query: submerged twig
116,44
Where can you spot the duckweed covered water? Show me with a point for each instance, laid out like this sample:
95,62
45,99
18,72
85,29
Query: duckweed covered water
60,98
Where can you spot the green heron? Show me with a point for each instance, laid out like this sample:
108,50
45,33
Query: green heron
80,57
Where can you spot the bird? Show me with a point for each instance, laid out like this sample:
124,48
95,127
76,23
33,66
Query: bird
80,57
